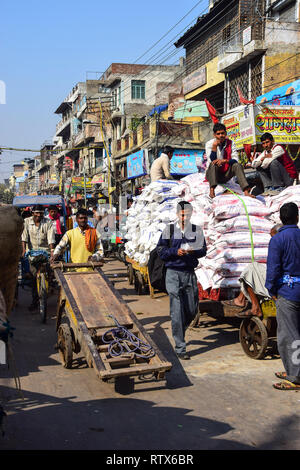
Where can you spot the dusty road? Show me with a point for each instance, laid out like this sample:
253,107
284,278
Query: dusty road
220,399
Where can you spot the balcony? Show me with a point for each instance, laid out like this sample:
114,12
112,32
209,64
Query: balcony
61,125
239,49
192,133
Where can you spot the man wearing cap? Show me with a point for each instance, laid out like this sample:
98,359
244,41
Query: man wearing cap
38,234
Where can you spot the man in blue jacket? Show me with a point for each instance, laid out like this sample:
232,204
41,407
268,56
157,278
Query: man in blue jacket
180,246
283,284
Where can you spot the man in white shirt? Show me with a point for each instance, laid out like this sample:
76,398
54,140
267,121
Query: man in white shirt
160,168
222,161
275,167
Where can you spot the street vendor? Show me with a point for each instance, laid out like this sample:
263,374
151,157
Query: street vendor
253,288
83,241
180,246
160,168
283,284
222,161
38,235
275,167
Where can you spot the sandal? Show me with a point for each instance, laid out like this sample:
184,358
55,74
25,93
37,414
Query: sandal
230,303
246,314
286,386
281,375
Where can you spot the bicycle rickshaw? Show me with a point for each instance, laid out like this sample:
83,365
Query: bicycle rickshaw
39,258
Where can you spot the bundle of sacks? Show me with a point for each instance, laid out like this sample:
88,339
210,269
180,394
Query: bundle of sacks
149,214
223,220
290,194
229,240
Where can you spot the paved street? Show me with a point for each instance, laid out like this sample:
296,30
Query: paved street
220,399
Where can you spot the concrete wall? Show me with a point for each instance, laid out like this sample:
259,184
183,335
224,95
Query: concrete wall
281,66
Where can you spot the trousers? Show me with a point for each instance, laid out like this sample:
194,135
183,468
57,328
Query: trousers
288,337
184,300
275,175
215,176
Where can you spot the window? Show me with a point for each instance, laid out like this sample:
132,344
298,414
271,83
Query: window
138,89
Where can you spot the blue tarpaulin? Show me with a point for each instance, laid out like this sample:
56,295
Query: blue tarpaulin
158,109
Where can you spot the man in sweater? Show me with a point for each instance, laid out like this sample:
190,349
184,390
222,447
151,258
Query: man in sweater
160,168
180,246
222,161
283,284
275,167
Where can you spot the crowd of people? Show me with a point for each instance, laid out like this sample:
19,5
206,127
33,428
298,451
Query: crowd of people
182,244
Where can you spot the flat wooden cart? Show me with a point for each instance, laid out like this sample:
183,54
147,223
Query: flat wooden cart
139,276
257,335
88,307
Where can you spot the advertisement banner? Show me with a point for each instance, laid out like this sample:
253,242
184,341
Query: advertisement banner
240,126
185,162
78,183
287,95
283,122
136,165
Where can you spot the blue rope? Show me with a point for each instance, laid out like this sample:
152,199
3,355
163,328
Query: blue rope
124,342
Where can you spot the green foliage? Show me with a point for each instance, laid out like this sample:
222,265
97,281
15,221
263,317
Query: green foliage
135,122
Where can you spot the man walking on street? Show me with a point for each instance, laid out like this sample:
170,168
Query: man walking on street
38,235
275,167
160,169
283,284
222,161
84,242
180,246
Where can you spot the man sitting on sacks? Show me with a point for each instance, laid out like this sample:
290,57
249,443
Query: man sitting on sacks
222,160
253,288
275,167
160,168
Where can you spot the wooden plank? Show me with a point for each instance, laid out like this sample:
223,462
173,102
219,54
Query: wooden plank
96,301
138,370
87,345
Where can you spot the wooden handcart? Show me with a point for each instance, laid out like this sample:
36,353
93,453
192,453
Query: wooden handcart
257,335
139,277
88,308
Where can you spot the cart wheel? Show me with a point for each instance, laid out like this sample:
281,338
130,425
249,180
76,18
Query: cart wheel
65,345
43,296
130,274
253,337
139,283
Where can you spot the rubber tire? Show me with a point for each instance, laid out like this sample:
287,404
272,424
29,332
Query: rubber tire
130,274
261,334
43,299
65,345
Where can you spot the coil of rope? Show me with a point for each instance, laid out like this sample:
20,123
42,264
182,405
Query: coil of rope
122,342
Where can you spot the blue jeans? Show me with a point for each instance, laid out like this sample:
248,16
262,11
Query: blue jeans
184,300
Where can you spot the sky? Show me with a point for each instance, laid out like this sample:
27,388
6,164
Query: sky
47,47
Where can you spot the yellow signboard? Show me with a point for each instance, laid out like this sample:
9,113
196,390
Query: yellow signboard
240,126
283,122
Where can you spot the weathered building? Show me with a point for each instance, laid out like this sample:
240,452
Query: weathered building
242,43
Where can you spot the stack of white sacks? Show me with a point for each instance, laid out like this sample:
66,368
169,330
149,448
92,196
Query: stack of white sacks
223,219
226,231
148,216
